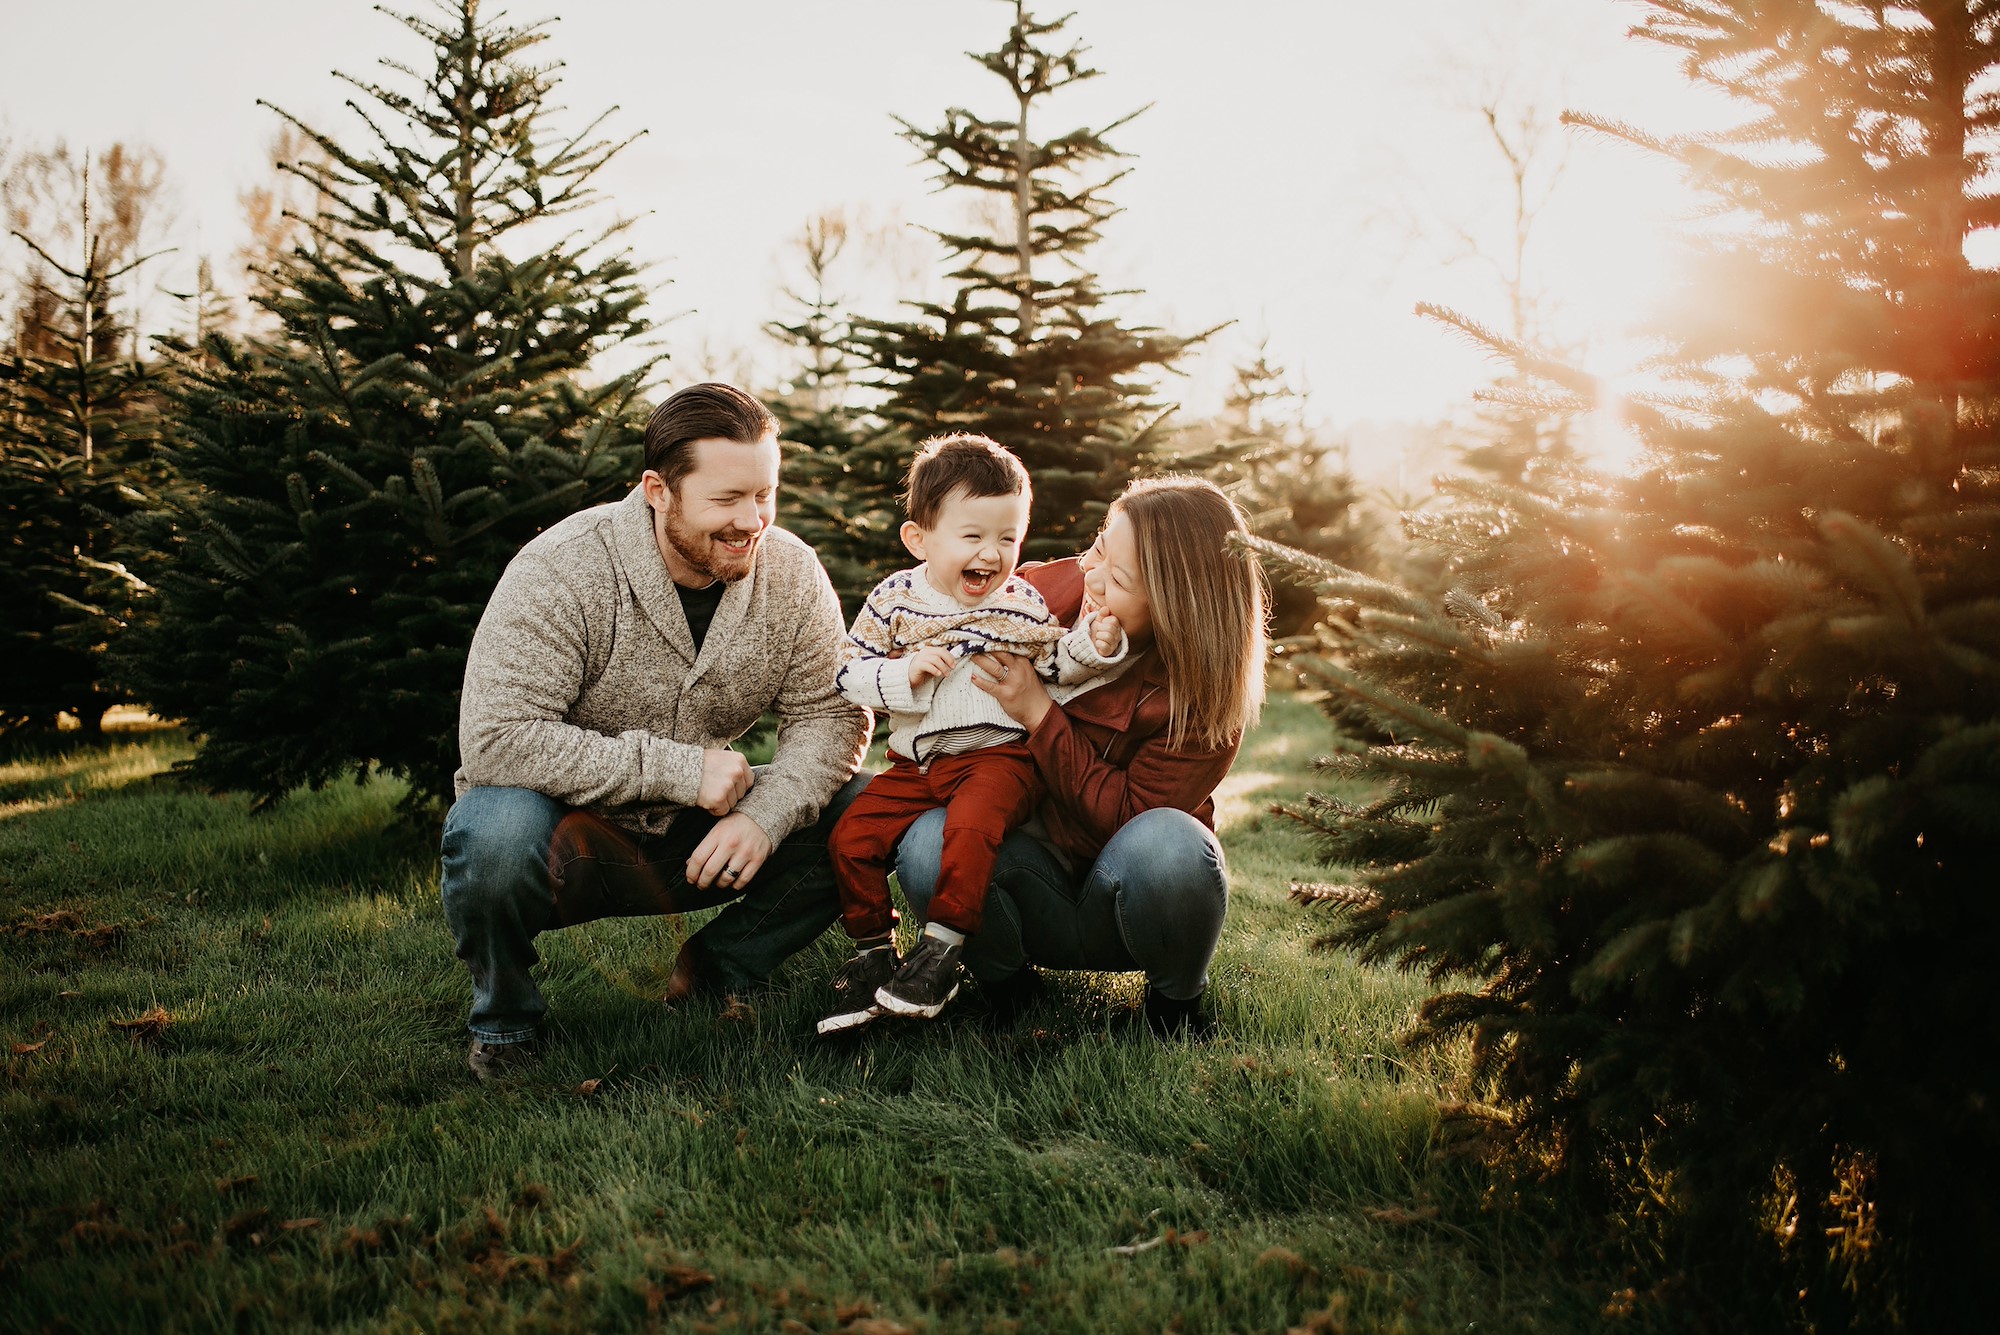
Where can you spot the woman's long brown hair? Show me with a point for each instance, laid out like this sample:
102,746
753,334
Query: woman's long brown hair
1207,607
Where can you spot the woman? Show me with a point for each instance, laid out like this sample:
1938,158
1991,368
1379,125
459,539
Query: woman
1120,869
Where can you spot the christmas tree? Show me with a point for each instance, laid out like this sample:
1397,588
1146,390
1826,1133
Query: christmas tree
77,440
814,406
1024,350
1688,781
825,433
1291,481
353,488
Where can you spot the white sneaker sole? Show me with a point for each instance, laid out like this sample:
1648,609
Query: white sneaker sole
895,1005
834,1024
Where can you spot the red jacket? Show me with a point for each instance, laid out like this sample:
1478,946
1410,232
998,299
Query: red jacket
1104,755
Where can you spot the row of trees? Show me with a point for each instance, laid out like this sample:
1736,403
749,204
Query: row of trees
282,527
1680,783
78,418
1027,348
1679,780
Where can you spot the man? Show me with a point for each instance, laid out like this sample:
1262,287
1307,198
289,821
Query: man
622,651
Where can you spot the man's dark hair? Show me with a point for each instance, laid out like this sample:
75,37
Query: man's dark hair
945,464
701,412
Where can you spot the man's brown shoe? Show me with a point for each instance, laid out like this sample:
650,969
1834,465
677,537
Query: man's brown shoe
693,975
495,1062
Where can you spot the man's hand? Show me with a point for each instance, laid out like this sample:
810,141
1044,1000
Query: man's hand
730,854
1104,634
930,661
725,777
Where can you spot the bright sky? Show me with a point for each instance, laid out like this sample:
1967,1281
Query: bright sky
1302,170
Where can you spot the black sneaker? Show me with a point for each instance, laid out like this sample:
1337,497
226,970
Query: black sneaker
1170,1019
854,985
496,1062
927,980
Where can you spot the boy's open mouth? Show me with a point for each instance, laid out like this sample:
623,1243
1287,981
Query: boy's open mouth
976,582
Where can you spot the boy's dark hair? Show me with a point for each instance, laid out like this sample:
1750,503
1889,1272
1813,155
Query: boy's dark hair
961,461
701,412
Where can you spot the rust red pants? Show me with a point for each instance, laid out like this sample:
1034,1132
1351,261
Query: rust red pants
984,793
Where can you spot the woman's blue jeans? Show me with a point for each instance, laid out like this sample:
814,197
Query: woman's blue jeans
1153,900
518,863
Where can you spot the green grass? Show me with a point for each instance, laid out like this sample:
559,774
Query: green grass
298,1142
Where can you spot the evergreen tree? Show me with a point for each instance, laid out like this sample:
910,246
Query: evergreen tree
1292,482
1691,778
1514,429
76,450
354,488
1517,431
1024,350
825,434
814,406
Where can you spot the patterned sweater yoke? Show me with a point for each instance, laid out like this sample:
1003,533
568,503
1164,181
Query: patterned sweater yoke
905,613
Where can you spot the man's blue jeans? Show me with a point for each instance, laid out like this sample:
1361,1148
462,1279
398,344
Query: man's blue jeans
518,863
1153,900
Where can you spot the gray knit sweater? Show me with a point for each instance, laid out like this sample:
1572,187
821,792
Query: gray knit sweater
583,682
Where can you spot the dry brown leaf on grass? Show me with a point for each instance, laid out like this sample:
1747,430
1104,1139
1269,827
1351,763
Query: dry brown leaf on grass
681,1280
297,1225
1397,1216
225,1185
1170,1238
675,1281
23,1049
247,1226
1288,1260
62,920
102,936
103,1233
151,1025
1329,1320
875,1325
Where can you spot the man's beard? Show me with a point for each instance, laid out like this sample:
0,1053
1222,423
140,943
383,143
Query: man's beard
703,553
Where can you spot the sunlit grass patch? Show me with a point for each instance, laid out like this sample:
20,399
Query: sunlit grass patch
40,774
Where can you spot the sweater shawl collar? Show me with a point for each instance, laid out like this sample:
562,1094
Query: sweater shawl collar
652,587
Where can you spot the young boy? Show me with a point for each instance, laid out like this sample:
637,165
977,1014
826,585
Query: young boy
950,743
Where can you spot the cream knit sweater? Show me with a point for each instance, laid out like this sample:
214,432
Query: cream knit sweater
583,682
949,715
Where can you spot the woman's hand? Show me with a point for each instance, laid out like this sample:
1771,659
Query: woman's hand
1011,679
